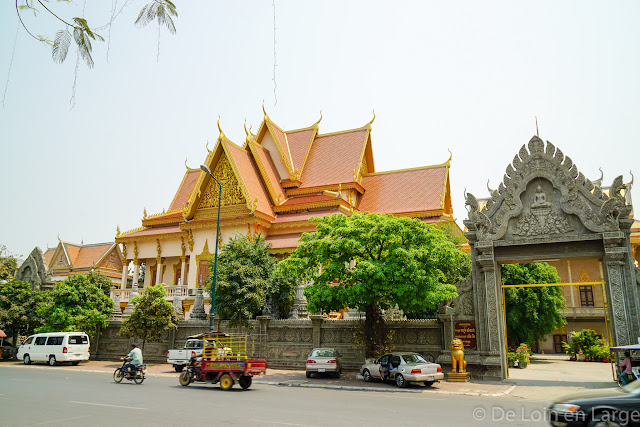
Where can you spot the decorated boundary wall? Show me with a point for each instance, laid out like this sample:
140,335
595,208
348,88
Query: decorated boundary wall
286,343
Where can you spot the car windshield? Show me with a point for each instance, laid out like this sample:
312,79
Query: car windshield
413,358
323,353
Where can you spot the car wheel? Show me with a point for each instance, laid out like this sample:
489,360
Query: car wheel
429,383
27,359
337,374
226,382
75,363
604,420
52,360
308,374
367,376
178,368
400,381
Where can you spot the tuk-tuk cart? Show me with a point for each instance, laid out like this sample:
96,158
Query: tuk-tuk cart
226,359
634,350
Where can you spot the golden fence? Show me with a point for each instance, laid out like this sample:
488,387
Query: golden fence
233,347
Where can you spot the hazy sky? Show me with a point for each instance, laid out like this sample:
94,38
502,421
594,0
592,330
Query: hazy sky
464,76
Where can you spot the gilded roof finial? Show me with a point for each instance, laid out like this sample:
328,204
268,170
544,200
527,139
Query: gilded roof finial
207,146
450,155
374,117
264,110
220,129
144,213
319,120
117,230
245,127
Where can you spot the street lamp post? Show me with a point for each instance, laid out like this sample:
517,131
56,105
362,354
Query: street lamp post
215,261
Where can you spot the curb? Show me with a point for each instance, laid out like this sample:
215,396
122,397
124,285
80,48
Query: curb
382,390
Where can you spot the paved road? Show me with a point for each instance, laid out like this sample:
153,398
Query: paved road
43,395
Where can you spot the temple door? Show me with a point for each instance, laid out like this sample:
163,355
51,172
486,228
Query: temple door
203,272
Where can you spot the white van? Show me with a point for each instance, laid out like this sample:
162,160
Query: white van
55,347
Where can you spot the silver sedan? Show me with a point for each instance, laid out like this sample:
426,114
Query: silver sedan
402,368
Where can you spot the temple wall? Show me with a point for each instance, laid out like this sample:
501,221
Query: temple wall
288,342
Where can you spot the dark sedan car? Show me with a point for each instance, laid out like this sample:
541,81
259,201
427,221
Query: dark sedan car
608,407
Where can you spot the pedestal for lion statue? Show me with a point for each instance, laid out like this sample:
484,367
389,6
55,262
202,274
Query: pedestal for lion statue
458,364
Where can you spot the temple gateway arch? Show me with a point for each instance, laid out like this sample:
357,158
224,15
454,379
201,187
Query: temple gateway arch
544,209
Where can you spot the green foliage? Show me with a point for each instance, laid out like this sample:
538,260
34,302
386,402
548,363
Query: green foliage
533,312
523,352
101,282
8,264
76,305
246,277
151,317
19,308
83,34
586,340
373,262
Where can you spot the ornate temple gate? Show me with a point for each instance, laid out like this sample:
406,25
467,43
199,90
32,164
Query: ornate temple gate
544,209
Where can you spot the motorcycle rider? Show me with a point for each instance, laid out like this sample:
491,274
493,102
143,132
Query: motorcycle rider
136,360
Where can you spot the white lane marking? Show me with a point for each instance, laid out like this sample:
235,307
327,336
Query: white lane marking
280,423
63,420
110,406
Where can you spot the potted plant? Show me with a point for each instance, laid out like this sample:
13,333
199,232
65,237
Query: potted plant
512,358
523,352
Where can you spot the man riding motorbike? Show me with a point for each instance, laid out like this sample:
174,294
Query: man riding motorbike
136,360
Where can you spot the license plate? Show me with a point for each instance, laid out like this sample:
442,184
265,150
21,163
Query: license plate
320,369
429,378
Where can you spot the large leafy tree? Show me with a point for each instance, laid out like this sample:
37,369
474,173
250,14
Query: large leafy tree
101,282
8,264
76,305
19,308
373,262
532,312
151,317
246,277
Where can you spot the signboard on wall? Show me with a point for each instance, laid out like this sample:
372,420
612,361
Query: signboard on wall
466,331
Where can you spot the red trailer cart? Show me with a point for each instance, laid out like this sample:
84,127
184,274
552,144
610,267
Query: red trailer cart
226,359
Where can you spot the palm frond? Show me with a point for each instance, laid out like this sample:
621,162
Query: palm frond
84,45
162,10
61,46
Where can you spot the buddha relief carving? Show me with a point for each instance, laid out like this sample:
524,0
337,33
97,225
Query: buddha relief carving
540,218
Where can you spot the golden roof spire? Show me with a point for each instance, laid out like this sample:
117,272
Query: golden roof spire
374,117
320,119
264,110
220,129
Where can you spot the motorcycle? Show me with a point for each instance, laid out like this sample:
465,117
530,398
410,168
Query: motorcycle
190,374
138,376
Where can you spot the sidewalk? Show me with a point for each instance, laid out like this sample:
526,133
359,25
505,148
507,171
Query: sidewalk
297,378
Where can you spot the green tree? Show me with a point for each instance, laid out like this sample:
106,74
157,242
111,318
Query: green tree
151,317
19,307
76,305
373,262
101,282
246,277
8,264
532,312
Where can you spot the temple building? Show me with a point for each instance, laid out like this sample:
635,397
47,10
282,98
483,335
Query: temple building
44,270
272,184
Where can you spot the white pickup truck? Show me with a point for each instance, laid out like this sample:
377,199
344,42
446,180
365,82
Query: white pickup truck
193,348
180,358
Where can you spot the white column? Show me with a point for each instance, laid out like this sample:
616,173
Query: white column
183,267
136,272
573,302
125,270
158,271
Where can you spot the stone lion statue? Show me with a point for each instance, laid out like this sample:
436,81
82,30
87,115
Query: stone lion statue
457,356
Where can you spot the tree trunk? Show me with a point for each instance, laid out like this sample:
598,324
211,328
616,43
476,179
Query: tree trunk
375,332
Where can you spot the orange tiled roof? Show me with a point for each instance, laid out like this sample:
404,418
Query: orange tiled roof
48,255
270,170
181,197
299,142
250,176
88,255
307,199
333,158
73,250
284,241
303,216
413,190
